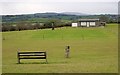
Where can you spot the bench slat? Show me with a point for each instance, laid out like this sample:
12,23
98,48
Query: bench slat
32,55
29,52
33,58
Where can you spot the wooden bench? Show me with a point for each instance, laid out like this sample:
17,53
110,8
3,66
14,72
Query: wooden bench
31,55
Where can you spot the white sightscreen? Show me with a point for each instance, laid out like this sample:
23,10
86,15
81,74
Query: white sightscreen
83,23
92,23
74,24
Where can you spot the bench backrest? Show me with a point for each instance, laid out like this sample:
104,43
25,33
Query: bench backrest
32,55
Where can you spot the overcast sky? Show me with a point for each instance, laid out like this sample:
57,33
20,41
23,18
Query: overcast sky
10,7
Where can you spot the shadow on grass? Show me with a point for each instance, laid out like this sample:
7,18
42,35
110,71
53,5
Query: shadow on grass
66,60
33,63
58,62
42,63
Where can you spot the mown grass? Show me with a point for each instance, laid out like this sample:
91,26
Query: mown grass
93,50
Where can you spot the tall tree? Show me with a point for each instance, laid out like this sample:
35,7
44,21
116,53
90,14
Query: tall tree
104,18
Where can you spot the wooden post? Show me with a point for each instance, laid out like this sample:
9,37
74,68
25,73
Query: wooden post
53,26
43,36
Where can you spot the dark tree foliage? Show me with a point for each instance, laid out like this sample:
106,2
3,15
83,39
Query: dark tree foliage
103,18
24,25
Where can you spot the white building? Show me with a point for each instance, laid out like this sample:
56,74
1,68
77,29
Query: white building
89,22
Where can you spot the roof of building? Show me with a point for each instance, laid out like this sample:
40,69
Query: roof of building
88,19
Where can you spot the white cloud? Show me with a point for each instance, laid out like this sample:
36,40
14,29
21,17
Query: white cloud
83,7
59,0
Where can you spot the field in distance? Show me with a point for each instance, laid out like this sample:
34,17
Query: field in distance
92,50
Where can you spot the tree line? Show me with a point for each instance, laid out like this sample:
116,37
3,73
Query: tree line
37,23
24,25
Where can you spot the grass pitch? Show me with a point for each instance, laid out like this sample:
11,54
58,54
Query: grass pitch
93,50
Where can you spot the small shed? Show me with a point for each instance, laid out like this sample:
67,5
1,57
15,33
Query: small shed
89,22
74,24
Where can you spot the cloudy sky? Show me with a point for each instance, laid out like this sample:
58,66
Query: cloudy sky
10,7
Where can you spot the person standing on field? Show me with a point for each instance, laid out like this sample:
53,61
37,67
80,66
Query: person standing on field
67,51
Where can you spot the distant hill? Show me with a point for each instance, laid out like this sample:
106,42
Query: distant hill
15,18
75,13
43,17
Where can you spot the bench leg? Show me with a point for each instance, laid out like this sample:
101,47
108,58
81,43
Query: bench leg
18,61
46,61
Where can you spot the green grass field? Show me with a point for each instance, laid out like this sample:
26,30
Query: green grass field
93,50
